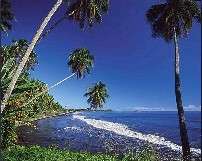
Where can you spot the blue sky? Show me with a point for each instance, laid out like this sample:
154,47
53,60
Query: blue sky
137,69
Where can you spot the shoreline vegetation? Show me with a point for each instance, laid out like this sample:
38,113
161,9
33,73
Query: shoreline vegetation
37,153
63,112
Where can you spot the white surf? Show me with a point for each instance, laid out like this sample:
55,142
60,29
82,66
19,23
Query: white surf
123,130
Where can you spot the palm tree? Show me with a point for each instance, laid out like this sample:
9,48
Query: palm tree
6,17
172,20
28,52
97,95
18,49
12,54
80,63
86,12
90,11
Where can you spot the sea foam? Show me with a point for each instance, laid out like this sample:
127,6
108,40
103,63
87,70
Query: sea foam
123,130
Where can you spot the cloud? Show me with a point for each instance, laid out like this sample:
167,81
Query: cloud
144,108
192,108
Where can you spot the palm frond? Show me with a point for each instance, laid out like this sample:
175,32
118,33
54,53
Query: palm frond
87,12
6,15
81,62
97,95
173,16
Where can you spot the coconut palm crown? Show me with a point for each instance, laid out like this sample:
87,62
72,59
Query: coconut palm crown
173,16
6,15
87,12
81,62
97,95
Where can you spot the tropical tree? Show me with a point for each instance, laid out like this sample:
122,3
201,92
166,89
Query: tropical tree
85,12
28,52
6,15
15,113
90,11
97,95
25,89
172,20
80,63
12,54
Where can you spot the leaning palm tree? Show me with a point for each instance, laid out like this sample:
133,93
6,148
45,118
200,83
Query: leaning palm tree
92,11
85,12
28,52
97,95
6,17
172,20
12,54
80,63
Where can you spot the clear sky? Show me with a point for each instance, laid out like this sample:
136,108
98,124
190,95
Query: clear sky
137,69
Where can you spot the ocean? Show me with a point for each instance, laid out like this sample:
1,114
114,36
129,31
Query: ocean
115,132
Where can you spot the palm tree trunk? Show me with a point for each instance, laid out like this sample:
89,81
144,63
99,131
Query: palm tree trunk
1,90
181,115
46,90
52,28
54,25
29,50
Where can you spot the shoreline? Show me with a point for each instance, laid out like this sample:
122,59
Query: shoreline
33,120
44,139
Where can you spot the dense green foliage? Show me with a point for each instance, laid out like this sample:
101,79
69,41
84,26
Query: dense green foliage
17,110
15,115
12,54
97,95
25,89
36,153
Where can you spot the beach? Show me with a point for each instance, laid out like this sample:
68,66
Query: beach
113,132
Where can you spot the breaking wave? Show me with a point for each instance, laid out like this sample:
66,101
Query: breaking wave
123,130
